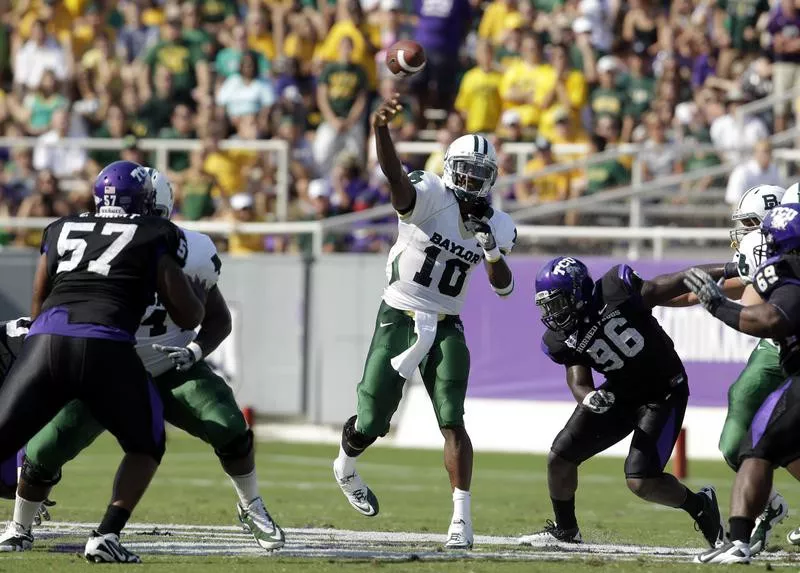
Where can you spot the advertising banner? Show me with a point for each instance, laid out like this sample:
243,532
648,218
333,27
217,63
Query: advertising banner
504,339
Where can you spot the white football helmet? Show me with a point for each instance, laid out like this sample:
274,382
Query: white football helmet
165,198
792,195
470,167
752,208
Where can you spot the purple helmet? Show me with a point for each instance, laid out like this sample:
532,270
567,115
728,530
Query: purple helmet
563,289
124,186
781,230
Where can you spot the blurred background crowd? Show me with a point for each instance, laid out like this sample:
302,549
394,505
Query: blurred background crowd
598,73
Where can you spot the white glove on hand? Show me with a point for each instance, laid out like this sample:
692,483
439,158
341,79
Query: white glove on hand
706,289
599,401
183,357
483,234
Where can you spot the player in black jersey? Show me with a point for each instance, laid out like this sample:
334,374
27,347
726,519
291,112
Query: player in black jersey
96,276
12,334
608,326
773,436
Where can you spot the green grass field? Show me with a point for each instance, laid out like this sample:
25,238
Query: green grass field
509,498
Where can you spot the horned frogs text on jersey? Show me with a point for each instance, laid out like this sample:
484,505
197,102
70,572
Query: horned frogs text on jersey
430,264
745,258
157,327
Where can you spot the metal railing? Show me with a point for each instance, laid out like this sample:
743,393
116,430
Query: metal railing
657,236
162,148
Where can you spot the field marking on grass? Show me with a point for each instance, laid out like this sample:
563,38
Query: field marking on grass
219,540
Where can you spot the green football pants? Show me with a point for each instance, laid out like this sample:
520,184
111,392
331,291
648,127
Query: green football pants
445,372
196,401
761,376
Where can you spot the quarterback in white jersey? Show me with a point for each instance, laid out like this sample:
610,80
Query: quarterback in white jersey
446,229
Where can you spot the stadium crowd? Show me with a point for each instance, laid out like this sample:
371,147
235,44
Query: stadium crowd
552,72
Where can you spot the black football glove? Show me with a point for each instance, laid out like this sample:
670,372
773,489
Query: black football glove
598,401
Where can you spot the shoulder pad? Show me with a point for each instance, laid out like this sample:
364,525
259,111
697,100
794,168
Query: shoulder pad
426,181
505,232
776,272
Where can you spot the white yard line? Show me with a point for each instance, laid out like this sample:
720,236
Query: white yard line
187,539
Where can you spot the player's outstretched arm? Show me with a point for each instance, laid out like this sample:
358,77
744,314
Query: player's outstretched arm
184,302
733,289
403,194
216,325
41,286
660,290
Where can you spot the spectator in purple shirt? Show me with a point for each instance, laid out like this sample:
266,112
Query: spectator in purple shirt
441,29
784,27
134,36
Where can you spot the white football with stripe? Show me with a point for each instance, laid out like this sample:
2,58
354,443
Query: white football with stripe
405,58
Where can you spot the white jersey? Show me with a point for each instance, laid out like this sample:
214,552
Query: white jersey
157,327
430,264
745,258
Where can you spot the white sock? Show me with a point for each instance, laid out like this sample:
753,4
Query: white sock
246,487
344,464
461,501
25,511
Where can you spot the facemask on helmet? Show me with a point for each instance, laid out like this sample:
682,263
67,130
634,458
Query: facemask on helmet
563,292
781,229
470,167
752,208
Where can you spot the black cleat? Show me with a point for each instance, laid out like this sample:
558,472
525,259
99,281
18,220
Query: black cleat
709,521
551,534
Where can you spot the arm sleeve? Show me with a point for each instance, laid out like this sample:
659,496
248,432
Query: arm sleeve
621,283
786,298
45,235
557,351
176,244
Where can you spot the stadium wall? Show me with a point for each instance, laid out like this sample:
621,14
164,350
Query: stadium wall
518,399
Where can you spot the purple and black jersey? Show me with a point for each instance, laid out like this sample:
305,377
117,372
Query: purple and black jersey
102,273
621,339
777,281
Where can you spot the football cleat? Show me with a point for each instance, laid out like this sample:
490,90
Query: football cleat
776,511
552,534
727,553
793,536
459,535
709,520
357,493
107,549
16,538
256,519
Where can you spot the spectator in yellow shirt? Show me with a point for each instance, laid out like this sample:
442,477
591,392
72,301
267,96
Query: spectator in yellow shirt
228,167
560,88
478,97
243,211
350,23
519,84
546,188
492,26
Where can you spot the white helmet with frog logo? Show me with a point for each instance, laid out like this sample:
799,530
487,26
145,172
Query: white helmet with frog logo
752,208
470,167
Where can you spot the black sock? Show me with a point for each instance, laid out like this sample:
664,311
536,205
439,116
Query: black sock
693,504
741,528
564,511
114,520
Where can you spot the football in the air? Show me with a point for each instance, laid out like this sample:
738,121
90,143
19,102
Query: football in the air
405,58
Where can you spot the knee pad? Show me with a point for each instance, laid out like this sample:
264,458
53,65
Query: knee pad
353,441
238,448
37,475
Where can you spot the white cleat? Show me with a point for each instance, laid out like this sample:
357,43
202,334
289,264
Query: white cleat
776,511
730,552
256,519
16,538
794,536
357,493
107,549
459,535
